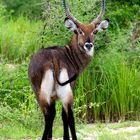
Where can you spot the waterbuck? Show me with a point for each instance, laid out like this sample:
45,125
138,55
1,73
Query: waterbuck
53,71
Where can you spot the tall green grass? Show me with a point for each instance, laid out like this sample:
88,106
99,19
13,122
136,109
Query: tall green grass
107,91
111,90
19,38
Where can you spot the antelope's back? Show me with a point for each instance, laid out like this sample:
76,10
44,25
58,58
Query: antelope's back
41,62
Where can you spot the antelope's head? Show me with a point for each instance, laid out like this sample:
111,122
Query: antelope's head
85,32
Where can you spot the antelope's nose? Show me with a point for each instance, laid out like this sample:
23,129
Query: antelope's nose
88,45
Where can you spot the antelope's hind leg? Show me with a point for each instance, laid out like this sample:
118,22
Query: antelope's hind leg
47,104
65,94
68,120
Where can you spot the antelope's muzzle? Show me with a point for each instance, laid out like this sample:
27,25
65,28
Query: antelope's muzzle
88,45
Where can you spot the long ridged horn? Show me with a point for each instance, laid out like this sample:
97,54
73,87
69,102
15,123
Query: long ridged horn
68,13
102,11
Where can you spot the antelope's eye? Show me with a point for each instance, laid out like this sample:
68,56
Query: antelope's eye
81,32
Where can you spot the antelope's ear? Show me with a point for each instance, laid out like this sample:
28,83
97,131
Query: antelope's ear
70,24
102,26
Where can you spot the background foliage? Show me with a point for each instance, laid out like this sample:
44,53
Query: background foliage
108,91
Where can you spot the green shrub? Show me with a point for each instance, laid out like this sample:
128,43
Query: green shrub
30,8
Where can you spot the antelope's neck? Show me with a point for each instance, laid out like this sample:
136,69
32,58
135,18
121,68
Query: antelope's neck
79,58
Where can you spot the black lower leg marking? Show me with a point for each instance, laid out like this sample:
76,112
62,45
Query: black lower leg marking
49,118
71,123
65,125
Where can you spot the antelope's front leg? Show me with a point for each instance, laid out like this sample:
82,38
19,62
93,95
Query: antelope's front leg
65,94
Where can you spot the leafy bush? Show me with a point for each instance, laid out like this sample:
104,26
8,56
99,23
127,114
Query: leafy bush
30,8
128,1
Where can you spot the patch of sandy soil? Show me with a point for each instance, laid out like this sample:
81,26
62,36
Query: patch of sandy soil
127,129
94,136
